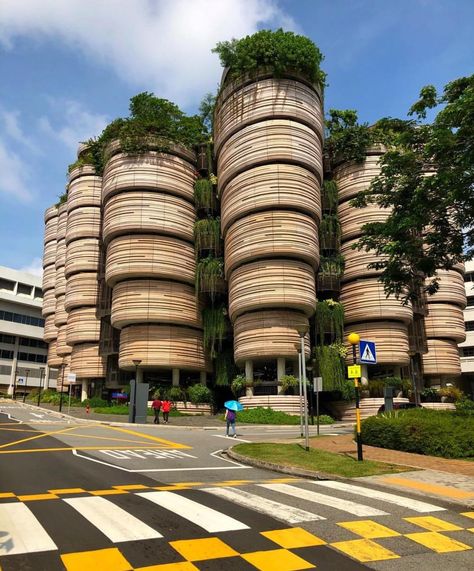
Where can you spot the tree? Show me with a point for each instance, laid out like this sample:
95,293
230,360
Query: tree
427,179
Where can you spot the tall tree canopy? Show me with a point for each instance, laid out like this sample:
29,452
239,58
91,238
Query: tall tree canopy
427,179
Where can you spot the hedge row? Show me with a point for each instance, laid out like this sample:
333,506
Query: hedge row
434,433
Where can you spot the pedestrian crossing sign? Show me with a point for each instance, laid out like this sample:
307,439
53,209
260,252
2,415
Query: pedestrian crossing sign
367,352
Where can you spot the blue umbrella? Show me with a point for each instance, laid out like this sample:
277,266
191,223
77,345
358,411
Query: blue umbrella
233,405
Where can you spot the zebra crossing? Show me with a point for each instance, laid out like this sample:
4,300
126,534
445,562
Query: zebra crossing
144,515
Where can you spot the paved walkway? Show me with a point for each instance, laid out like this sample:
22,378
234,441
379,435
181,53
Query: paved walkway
345,444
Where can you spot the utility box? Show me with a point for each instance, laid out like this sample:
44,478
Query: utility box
139,398
388,398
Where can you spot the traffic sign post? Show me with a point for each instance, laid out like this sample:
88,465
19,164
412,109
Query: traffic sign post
354,372
317,387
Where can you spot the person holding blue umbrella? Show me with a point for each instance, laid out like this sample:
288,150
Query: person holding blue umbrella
231,409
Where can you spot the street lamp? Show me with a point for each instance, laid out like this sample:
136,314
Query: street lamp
14,385
136,362
354,340
302,330
27,372
62,386
40,384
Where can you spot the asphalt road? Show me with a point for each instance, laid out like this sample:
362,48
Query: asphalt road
82,496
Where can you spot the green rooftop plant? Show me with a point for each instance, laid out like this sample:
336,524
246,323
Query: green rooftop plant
276,50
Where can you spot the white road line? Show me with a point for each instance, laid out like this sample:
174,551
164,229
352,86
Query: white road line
343,505
21,532
113,521
283,512
203,516
415,505
230,438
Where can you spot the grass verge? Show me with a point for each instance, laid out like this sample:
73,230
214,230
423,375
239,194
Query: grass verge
294,455
123,409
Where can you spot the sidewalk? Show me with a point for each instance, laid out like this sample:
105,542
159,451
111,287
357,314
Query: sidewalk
441,478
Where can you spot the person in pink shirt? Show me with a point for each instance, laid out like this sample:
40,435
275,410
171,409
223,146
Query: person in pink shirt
166,407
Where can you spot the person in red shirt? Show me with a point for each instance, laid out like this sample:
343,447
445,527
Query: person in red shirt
166,407
156,406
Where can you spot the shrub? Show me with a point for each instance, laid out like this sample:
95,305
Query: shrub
263,415
430,395
199,394
95,402
238,385
348,390
464,405
430,432
452,394
175,394
289,383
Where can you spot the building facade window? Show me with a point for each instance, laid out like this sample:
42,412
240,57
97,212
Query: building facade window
469,277
470,301
31,357
7,339
467,352
6,354
23,319
28,342
469,325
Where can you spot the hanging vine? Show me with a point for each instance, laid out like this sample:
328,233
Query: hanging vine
329,364
330,196
209,276
207,234
329,321
330,232
215,328
332,266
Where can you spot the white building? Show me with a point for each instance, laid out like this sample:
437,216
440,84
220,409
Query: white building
466,349
22,349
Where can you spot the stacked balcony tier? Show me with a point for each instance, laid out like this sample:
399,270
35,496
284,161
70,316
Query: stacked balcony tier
81,290
60,317
163,346
82,255
149,215
366,300
390,337
268,140
272,283
264,335
50,329
62,347
445,321
82,326
154,301
267,187
272,234
86,361
53,359
149,256
368,310
49,281
274,141
442,359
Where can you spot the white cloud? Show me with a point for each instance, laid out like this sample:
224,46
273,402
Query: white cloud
158,45
76,123
12,128
35,267
15,175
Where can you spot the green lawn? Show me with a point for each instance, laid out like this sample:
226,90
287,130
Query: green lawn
318,460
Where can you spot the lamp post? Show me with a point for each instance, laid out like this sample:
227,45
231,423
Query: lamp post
62,386
136,362
309,368
40,384
354,339
27,372
302,332
14,385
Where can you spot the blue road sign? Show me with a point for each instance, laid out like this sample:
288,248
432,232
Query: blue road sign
367,352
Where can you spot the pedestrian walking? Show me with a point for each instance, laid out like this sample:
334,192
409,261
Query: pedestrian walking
166,407
231,408
230,416
156,406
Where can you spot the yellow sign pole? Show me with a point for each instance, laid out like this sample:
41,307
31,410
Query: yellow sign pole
354,339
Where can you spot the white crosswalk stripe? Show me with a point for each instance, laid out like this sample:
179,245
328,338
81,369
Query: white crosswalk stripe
415,505
330,501
21,532
209,519
111,520
280,511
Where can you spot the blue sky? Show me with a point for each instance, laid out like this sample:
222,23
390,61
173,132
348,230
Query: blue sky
68,67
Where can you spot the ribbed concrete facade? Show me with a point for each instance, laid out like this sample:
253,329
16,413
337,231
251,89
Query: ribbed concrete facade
268,144
120,263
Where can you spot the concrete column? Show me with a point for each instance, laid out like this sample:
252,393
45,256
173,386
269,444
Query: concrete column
46,377
281,370
203,378
14,365
84,387
175,378
249,378
364,377
139,375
